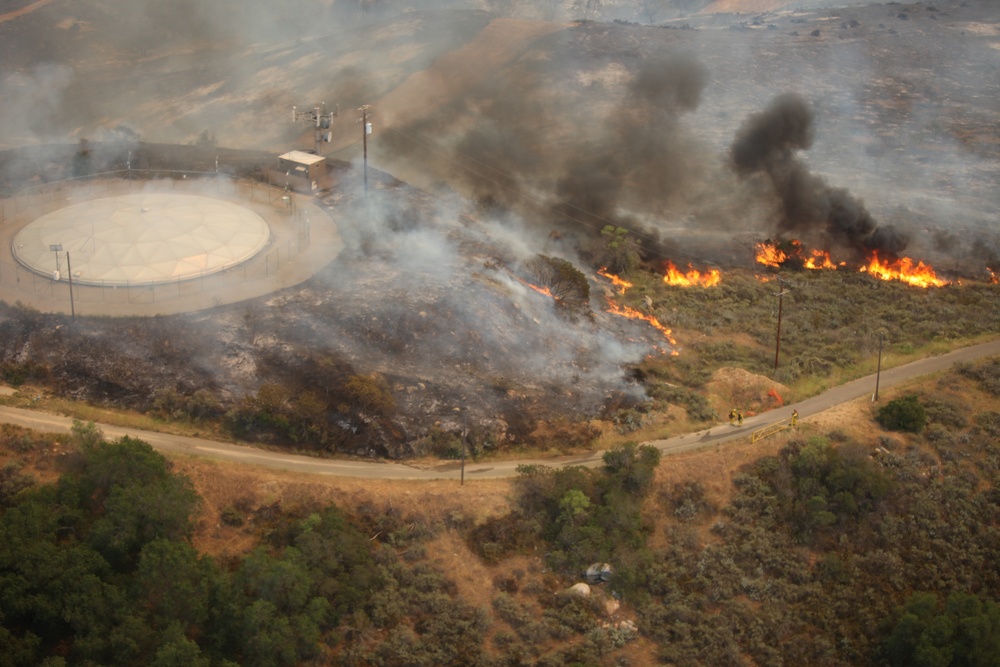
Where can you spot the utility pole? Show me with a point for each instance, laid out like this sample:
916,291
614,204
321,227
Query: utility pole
878,373
321,119
465,433
366,129
69,275
777,345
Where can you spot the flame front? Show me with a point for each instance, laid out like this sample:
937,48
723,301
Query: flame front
774,254
633,314
904,270
537,288
768,254
820,260
692,278
621,284
993,276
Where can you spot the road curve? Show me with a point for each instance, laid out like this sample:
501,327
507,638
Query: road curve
182,445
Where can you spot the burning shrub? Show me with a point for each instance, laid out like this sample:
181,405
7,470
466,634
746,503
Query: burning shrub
567,285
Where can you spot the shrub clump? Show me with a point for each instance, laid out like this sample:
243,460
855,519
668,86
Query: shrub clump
903,414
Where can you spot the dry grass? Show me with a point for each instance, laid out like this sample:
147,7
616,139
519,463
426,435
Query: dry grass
223,485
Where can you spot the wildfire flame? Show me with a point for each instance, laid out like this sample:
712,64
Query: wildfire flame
633,314
620,283
904,270
820,260
769,254
537,288
993,276
692,277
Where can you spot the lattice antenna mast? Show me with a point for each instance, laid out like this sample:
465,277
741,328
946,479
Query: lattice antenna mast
321,119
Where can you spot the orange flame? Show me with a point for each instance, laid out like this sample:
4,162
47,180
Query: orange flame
540,290
693,277
904,270
543,290
621,284
633,314
993,276
768,254
820,260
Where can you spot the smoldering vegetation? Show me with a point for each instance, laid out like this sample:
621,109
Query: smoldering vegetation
426,324
677,134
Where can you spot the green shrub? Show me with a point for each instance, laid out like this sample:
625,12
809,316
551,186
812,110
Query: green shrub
964,630
989,421
903,414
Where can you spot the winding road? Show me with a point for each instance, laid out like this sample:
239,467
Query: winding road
181,445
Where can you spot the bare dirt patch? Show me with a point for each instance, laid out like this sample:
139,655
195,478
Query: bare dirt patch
744,6
746,391
497,44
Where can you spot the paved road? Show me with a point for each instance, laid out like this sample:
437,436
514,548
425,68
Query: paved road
175,444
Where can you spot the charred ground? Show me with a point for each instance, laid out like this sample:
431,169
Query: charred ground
522,138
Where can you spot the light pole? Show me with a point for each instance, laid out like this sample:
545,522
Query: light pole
56,247
366,129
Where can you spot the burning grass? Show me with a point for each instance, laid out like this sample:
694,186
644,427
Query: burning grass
692,277
792,253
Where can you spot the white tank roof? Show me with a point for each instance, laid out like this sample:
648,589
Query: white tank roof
143,238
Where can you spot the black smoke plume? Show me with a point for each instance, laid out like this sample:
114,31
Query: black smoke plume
633,156
642,160
768,143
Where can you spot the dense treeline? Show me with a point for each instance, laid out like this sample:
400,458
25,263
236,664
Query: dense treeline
97,569
831,552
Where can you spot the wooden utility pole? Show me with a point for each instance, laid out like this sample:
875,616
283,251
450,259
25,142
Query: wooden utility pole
777,345
69,275
878,373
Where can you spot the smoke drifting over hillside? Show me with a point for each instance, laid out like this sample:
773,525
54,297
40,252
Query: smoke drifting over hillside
634,156
642,158
768,143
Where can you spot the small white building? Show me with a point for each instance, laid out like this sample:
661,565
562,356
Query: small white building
306,166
